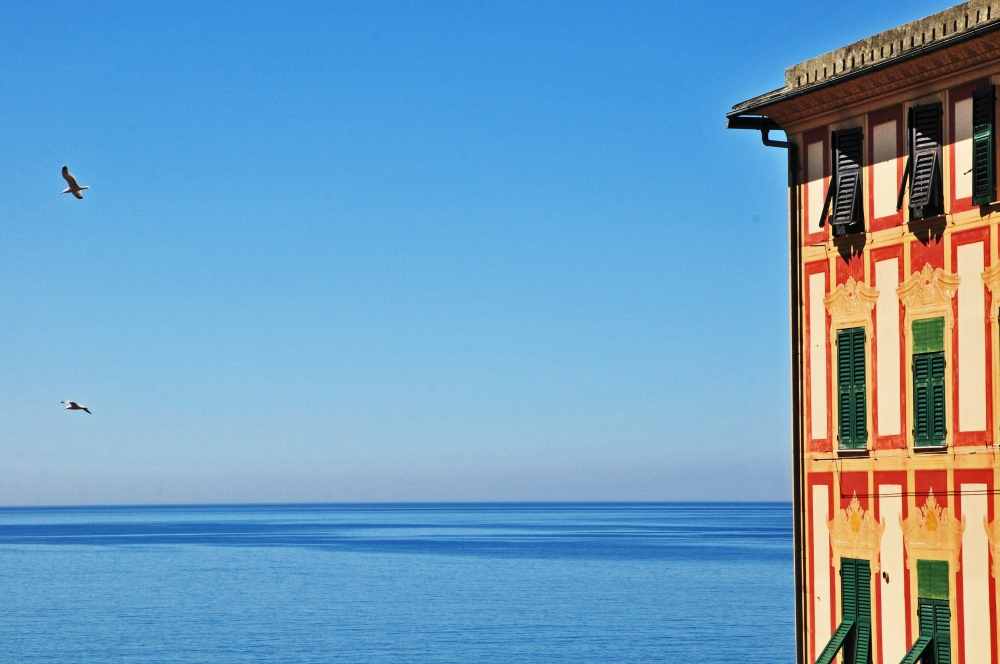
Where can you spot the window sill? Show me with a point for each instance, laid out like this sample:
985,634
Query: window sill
936,222
930,449
853,238
853,454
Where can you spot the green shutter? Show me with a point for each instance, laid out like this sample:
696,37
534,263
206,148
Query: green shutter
937,415
848,589
942,631
849,604
916,651
929,421
932,579
935,614
863,589
852,412
983,178
845,367
928,335
921,399
853,635
925,611
858,406
835,643
929,417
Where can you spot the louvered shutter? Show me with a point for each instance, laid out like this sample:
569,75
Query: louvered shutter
942,631
848,589
917,650
847,216
835,643
855,608
863,592
929,382
937,415
851,405
983,177
849,604
921,399
935,628
925,158
934,642
858,406
845,367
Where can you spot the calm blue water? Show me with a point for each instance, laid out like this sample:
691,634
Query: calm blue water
398,583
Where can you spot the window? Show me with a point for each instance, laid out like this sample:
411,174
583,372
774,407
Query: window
935,614
854,634
852,414
844,201
928,382
923,166
983,176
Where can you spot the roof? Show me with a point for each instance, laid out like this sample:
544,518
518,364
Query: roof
886,49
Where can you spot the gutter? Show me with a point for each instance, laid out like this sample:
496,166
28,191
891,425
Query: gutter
765,125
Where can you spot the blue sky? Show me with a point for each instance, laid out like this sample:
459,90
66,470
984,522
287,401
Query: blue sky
397,251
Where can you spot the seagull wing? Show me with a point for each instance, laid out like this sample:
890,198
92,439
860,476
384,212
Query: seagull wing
69,178
87,410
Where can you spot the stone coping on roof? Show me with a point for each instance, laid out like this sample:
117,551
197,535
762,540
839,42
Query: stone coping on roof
892,44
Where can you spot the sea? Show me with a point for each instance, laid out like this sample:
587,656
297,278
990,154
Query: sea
414,583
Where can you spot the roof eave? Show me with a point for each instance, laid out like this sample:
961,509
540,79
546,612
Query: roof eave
756,105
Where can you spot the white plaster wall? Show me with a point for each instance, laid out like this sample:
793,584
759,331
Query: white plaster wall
817,355
893,618
963,148
885,182
971,339
887,344
815,158
975,575
822,571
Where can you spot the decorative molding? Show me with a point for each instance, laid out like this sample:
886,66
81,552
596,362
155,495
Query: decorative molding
928,294
850,305
991,278
851,302
928,289
932,533
856,534
993,535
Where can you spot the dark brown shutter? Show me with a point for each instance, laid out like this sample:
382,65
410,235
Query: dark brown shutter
846,216
925,161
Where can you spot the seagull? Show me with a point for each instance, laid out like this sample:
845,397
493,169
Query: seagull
73,188
72,405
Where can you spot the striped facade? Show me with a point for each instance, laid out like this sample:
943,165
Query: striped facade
896,226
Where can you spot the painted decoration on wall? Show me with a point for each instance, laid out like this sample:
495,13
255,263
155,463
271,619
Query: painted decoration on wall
851,301
993,534
928,288
856,534
931,532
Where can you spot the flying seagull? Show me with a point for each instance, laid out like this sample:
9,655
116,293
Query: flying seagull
72,405
73,188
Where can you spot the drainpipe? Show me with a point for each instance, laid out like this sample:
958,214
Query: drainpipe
765,125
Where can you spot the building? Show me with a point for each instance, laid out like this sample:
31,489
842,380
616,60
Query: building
895,283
